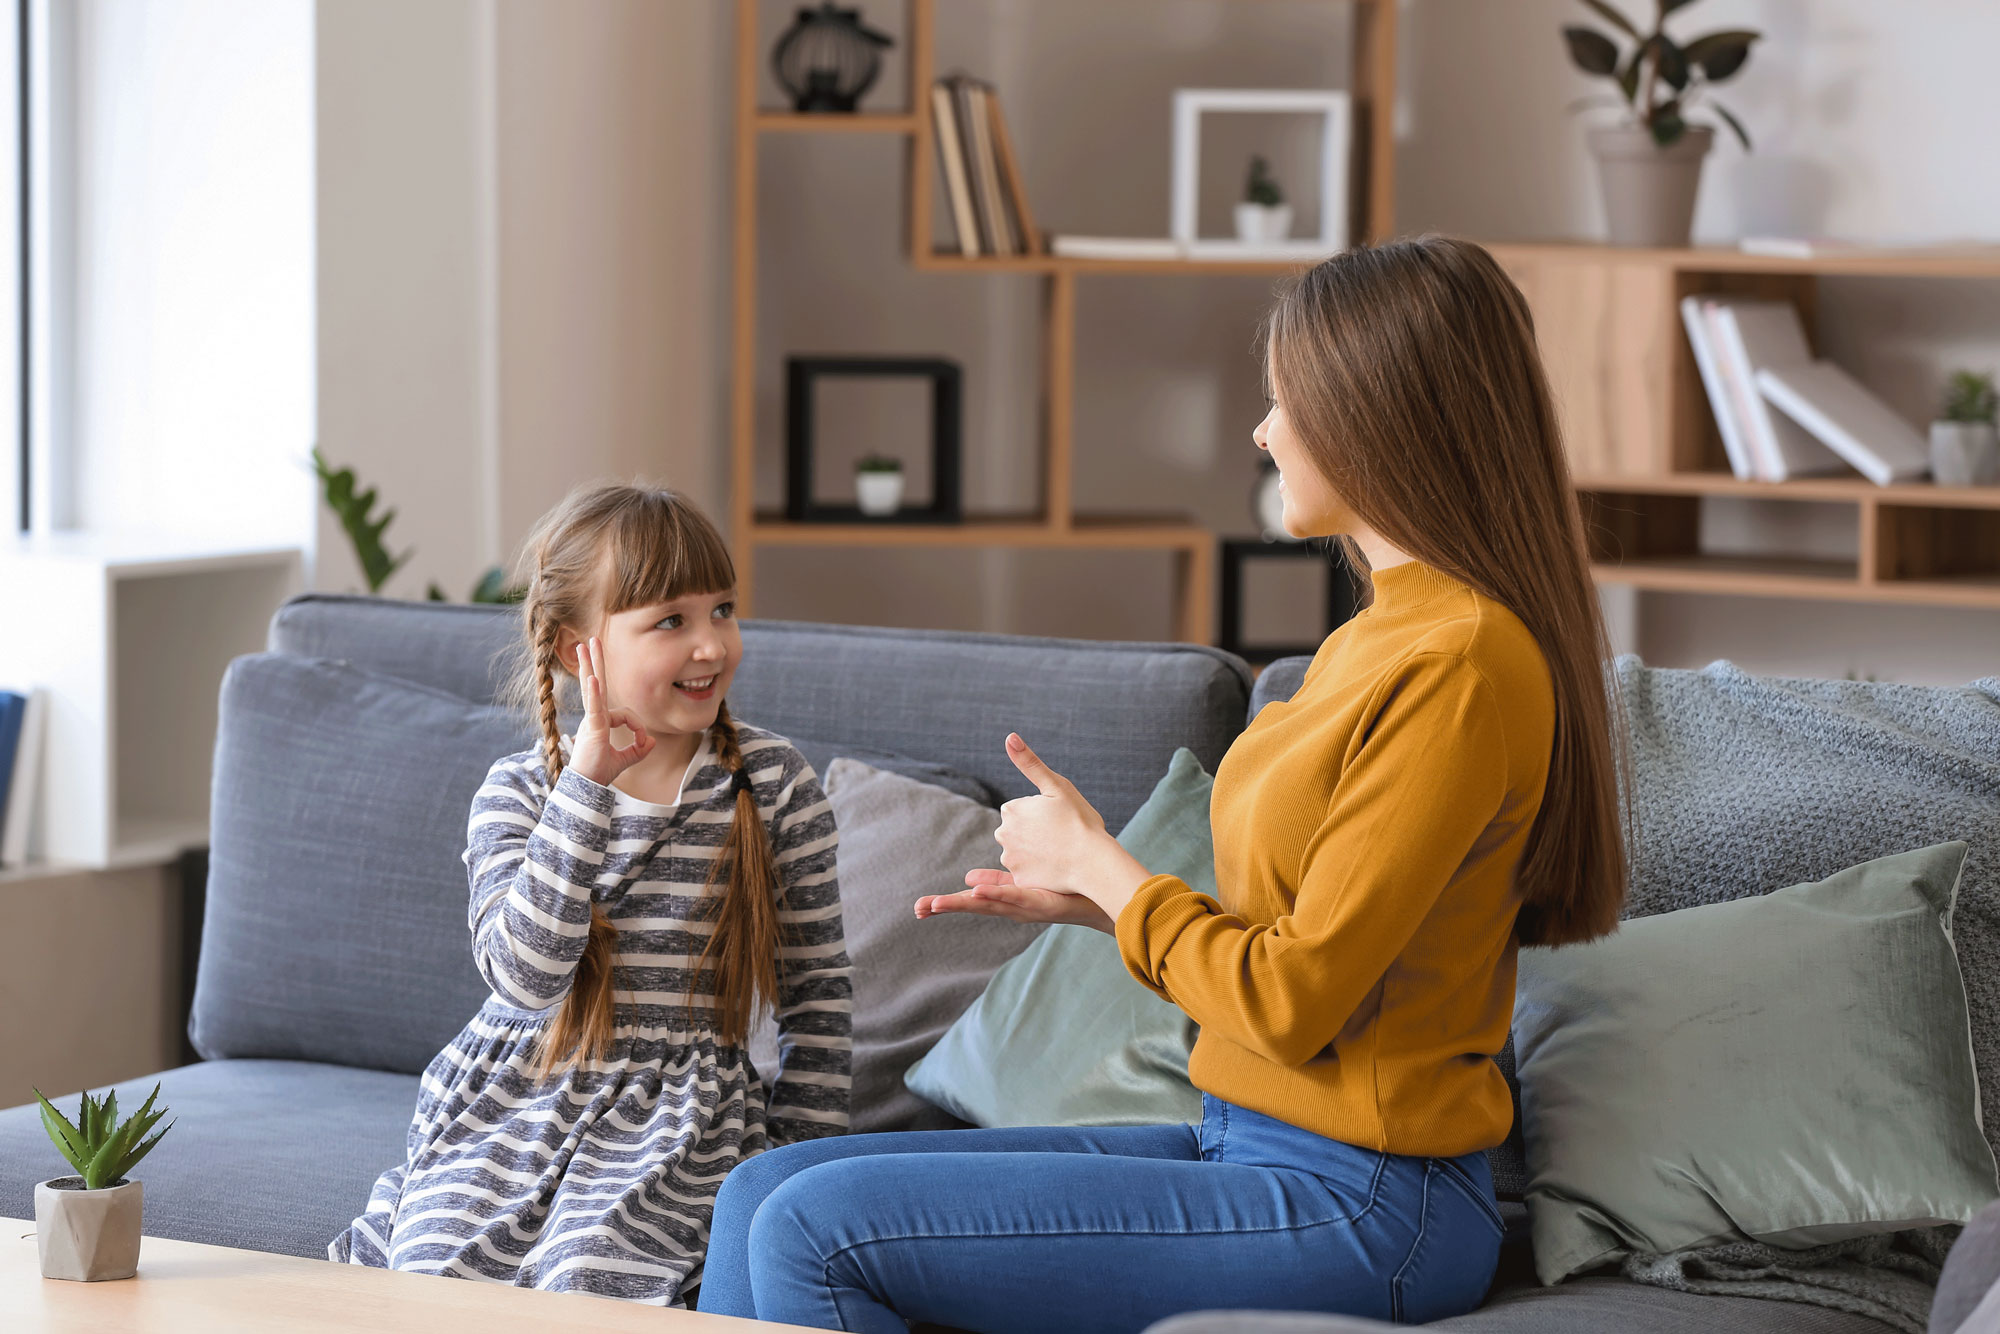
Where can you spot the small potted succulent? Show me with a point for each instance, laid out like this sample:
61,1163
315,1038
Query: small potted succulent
1263,216
87,1225
1965,444
878,485
1649,167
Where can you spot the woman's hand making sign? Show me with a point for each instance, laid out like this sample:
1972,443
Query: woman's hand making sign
1061,864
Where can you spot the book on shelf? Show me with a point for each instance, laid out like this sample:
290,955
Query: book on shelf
1117,247
1745,337
1855,424
23,722
983,182
995,235
951,164
1695,320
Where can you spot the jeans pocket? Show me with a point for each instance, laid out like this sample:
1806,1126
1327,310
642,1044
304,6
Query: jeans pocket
1471,1189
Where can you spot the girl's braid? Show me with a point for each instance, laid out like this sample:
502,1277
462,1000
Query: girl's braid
548,670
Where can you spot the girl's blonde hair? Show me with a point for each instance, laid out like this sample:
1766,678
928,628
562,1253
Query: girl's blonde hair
603,550
1410,374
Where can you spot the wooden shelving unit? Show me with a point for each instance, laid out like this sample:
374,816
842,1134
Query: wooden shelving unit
1643,446
1645,451
1057,525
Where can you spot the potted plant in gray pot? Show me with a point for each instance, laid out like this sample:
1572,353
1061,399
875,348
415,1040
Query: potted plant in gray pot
1965,444
87,1226
1649,166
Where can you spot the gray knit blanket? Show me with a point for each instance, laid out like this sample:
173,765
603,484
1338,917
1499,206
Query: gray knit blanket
1746,784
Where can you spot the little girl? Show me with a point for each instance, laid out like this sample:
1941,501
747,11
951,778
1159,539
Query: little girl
635,909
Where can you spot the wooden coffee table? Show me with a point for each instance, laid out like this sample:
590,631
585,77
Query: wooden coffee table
185,1286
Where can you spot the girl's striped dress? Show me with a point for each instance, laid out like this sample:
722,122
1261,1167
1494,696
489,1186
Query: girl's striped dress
603,1179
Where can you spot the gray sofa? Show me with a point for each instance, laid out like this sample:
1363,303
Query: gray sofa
334,960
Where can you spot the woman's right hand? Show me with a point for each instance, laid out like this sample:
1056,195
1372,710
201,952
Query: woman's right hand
594,756
994,894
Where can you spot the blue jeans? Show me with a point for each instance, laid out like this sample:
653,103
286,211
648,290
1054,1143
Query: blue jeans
1097,1229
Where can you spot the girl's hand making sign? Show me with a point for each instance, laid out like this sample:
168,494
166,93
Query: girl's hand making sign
1061,865
596,756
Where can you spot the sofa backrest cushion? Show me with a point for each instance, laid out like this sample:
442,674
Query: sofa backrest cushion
335,927
1108,715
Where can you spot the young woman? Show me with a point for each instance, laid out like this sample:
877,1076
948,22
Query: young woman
1441,790
634,907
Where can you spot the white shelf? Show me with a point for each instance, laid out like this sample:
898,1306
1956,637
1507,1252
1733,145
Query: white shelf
133,632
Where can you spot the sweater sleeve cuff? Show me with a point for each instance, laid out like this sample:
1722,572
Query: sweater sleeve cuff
1149,923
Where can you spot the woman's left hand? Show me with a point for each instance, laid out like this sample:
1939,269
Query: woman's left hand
1056,840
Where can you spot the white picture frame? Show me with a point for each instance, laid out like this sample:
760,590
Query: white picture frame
1336,109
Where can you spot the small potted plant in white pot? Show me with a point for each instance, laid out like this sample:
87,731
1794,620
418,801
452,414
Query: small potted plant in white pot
1965,443
87,1226
1649,166
1263,217
878,485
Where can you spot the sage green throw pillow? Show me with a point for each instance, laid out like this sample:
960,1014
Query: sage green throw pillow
1063,1035
1794,1068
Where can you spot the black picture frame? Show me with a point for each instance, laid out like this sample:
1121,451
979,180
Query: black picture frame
947,411
1237,552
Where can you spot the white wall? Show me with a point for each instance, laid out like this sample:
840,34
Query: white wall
522,213
193,325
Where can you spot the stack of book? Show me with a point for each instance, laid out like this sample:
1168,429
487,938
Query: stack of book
23,718
1782,414
982,180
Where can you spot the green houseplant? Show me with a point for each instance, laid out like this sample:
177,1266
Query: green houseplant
354,508
878,485
1650,166
87,1226
1965,443
1263,215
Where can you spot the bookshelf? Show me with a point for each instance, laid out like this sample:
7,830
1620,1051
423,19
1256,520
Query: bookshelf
1644,451
1056,525
1646,454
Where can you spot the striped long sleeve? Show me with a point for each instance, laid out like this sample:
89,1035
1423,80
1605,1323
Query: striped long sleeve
534,855
810,1095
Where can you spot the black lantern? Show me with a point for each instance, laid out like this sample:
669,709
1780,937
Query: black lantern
828,59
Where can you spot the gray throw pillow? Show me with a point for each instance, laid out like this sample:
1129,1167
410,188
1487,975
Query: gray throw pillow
821,754
901,839
1794,1069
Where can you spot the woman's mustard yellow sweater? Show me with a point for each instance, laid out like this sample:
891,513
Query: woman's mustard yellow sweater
1357,977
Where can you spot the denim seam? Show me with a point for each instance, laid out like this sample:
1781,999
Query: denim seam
1423,1225
1472,1189
845,1247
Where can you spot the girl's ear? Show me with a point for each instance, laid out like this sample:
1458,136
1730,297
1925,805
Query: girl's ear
566,642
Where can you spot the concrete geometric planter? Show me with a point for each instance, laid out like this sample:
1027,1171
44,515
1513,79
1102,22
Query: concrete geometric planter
1649,191
1965,453
88,1235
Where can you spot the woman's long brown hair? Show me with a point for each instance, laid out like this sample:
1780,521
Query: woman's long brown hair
606,549
1410,375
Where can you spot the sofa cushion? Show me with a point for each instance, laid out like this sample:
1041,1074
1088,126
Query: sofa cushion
1064,1035
901,839
263,1155
1108,715
1793,1068
336,917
